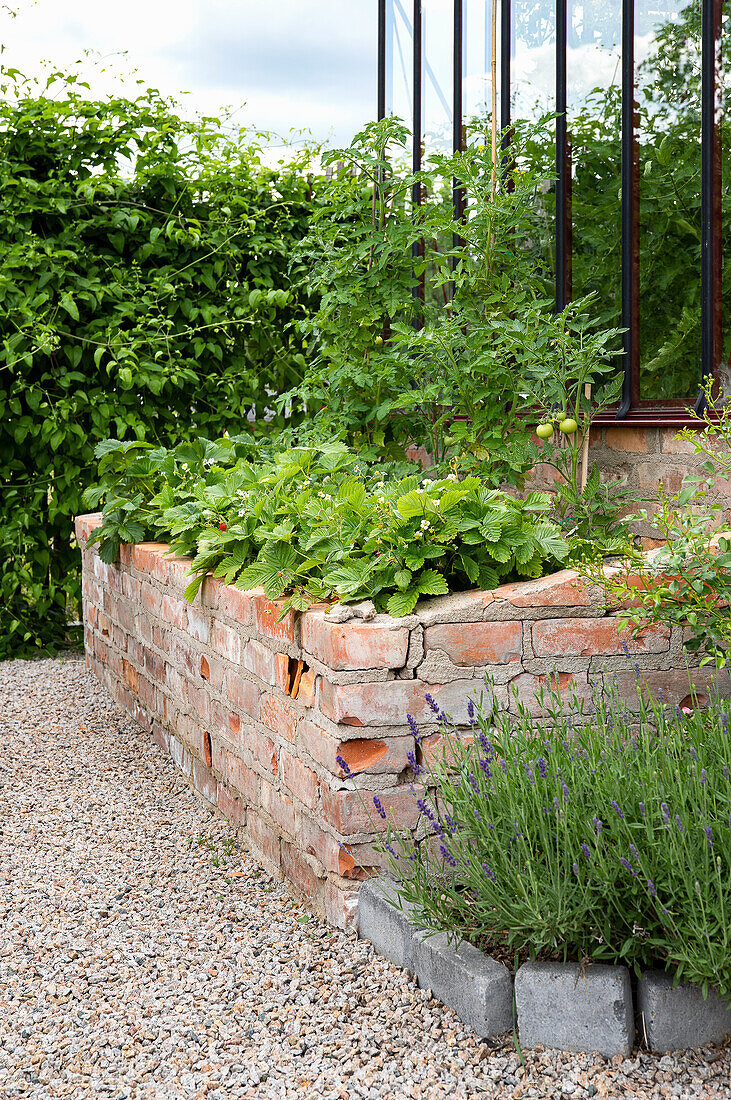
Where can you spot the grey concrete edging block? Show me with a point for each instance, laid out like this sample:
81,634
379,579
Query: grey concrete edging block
676,1018
479,989
575,1008
390,929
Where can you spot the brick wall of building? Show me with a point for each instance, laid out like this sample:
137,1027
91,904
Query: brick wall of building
260,713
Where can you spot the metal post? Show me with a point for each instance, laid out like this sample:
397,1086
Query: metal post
381,109
710,193
630,216
563,165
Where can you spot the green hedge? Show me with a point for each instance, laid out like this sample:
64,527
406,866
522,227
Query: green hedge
144,293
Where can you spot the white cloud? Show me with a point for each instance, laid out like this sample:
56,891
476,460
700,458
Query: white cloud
285,64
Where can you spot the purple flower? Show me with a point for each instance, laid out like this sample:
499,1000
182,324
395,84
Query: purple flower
343,764
377,803
472,780
651,888
447,855
665,814
388,848
643,811
470,709
634,853
433,707
693,754
486,768
529,773
587,853
489,872
421,803
626,864
709,834
598,824
487,746
564,790
679,823
704,777
616,809
542,768
450,823
415,765
575,869
413,727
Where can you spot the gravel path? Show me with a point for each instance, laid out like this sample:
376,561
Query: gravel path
142,955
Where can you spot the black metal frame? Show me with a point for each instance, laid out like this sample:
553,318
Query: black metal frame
631,409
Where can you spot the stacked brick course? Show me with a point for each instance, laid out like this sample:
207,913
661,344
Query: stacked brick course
260,711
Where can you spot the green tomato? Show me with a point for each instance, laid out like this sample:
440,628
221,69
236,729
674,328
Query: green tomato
568,426
544,431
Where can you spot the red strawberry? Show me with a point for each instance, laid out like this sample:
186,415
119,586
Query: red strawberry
223,525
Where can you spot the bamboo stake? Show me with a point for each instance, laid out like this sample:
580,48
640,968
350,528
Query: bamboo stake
493,66
585,447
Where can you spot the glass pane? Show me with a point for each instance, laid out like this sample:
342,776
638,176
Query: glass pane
668,59
477,90
438,24
399,60
593,70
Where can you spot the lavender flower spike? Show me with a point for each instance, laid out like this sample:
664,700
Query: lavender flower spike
342,763
709,834
617,810
413,727
433,706
489,872
447,855
379,806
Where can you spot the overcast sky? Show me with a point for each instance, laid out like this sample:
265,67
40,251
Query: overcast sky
281,64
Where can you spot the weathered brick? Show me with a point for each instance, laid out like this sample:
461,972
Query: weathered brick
179,573
226,642
263,837
307,690
529,687
354,812
564,589
353,645
283,672
174,612
236,603
146,692
198,625
145,554
278,716
341,906
200,702
151,599
375,755
387,704
674,685
204,782
298,870
131,676
241,693
210,593
242,778
351,861
266,619
477,643
230,806
299,780
630,439
260,661
593,638
436,746
261,748
279,807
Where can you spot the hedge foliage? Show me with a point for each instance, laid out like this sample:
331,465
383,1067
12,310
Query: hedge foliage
145,293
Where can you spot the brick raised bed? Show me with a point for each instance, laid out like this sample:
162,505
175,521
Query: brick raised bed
256,711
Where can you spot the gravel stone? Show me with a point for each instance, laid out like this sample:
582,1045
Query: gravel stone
144,956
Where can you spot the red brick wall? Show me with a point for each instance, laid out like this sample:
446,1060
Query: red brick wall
642,458
256,712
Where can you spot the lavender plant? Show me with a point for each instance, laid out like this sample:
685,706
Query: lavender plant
603,834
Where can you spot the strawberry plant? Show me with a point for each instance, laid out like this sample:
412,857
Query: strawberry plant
312,524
